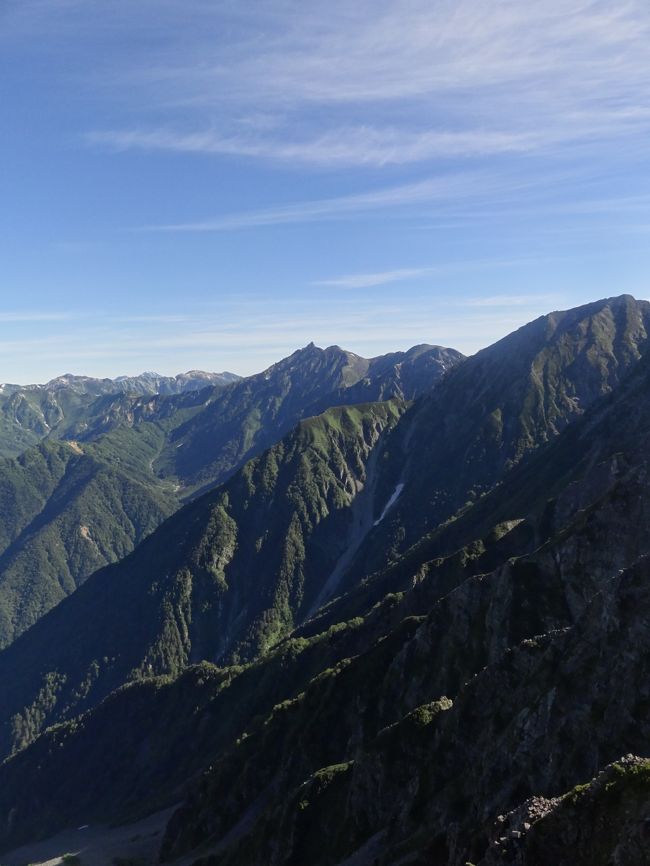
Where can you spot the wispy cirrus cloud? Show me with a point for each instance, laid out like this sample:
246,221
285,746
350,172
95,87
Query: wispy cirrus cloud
385,82
468,197
400,275
27,316
381,85
444,187
461,192
344,146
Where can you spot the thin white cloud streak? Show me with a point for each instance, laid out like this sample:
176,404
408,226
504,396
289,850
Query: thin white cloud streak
369,146
396,275
432,189
450,190
363,281
376,146
510,301
469,197
35,316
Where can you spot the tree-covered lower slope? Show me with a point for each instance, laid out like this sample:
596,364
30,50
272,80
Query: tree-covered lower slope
458,684
226,577
67,511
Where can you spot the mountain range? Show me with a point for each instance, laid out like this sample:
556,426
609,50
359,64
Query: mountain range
346,611
113,468
31,413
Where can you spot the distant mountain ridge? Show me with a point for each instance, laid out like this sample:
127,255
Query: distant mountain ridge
31,413
144,383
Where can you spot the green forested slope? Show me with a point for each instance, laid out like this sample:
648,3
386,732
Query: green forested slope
426,782
65,511
226,577
250,416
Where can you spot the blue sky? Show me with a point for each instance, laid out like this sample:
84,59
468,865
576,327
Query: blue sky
214,184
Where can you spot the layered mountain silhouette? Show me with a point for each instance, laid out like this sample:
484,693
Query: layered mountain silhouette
111,469
30,413
412,628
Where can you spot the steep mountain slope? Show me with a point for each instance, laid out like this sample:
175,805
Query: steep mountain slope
427,787
226,577
503,402
65,512
413,788
401,720
598,823
303,725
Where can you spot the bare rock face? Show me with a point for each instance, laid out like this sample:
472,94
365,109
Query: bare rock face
601,822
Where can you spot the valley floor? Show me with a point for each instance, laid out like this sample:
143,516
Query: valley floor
130,844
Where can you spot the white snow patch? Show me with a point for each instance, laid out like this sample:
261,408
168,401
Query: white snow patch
390,503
